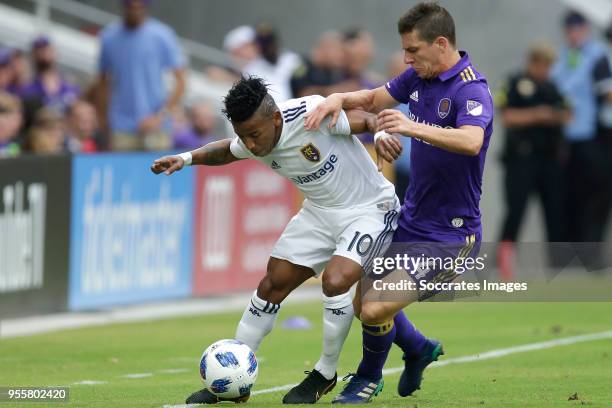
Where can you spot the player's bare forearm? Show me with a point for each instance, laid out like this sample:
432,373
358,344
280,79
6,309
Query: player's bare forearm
214,154
466,140
369,100
361,121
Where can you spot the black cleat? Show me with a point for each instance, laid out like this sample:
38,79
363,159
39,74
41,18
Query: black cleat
412,376
206,397
313,387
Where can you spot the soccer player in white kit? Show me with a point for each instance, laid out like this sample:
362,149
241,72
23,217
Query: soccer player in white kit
347,219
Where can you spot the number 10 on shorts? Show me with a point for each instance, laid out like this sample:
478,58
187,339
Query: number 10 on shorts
361,243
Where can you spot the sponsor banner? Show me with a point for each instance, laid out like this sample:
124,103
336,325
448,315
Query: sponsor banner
241,210
34,219
131,231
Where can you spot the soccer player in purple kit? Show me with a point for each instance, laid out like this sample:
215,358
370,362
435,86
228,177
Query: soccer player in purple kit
450,124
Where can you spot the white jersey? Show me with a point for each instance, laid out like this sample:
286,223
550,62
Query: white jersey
330,166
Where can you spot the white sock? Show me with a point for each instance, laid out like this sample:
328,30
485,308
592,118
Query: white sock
337,319
257,321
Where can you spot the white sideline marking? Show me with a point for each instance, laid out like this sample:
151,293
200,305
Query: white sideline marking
514,350
274,389
133,376
468,359
89,382
173,370
137,375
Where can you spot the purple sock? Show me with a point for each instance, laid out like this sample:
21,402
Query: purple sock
376,347
407,337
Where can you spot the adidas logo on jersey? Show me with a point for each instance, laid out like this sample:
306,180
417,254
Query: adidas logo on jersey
415,96
275,165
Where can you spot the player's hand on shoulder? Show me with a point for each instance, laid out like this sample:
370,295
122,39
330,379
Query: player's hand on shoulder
167,164
388,147
332,105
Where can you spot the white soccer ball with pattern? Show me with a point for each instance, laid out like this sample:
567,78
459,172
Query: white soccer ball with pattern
229,368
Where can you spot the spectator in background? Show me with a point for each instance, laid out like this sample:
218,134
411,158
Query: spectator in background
200,132
180,121
574,75
274,66
82,134
241,49
6,72
46,136
21,72
397,66
321,73
533,113
10,123
135,54
48,86
359,53
603,73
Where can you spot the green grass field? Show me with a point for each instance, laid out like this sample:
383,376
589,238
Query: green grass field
543,378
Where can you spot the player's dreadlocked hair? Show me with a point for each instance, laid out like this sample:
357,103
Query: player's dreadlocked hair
246,97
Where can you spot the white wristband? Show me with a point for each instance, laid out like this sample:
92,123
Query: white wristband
379,134
186,158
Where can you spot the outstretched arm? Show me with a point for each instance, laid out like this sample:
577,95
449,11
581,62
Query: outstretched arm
373,100
213,154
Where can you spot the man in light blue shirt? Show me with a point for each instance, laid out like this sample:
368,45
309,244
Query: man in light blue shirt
135,53
574,75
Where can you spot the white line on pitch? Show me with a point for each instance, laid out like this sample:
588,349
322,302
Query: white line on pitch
173,370
468,359
137,375
514,350
274,389
89,382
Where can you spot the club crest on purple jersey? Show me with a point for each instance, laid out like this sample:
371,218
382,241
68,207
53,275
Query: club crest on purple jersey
444,107
311,153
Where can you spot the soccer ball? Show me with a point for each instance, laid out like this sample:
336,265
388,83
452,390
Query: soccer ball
228,368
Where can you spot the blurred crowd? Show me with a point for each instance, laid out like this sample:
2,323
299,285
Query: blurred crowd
556,112
128,106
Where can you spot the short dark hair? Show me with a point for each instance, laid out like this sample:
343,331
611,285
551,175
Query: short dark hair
246,97
574,18
431,20
352,33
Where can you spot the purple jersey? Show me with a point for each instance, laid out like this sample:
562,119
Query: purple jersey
61,100
442,200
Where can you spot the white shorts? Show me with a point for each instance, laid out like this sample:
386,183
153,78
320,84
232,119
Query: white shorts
316,234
